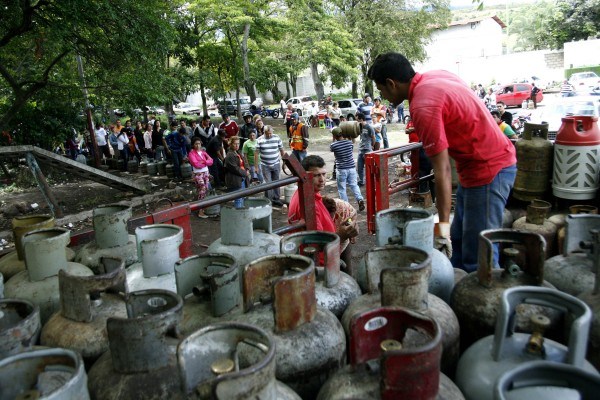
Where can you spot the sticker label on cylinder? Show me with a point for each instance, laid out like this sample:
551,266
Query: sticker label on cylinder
289,246
375,323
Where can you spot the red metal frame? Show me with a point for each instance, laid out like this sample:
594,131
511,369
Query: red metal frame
378,186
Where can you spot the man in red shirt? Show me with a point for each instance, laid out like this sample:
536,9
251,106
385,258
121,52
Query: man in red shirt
452,122
316,165
229,126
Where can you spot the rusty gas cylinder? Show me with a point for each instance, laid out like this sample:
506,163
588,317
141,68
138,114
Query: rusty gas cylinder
14,262
476,298
487,359
211,367
53,374
573,271
209,283
536,221
20,326
335,290
44,256
534,162
592,299
414,227
394,354
279,296
398,277
142,361
111,237
560,221
86,304
158,251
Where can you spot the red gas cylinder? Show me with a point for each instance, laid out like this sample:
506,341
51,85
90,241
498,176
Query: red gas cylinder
577,158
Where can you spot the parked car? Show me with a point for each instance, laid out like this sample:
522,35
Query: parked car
348,107
301,103
553,113
514,94
584,81
187,108
229,106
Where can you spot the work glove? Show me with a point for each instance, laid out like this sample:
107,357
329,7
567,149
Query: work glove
442,240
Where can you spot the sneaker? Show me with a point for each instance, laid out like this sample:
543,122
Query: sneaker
361,205
277,203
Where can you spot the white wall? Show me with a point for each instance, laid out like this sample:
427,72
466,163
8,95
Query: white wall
582,53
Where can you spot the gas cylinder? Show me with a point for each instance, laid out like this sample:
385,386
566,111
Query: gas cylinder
394,354
535,221
111,237
20,326
186,170
121,164
559,221
52,374
334,289
476,298
214,210
12,263
210,366
169,171
246,233
209,283
142,361
132,166
547,380
144,167
507,219
279,296
86,304
288,192
592,299
158,251
534,162
350,128
161,167
414,227
398,277
44,256
152,169
573,271
577,158
487,359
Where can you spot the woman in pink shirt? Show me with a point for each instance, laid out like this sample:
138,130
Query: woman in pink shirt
200,161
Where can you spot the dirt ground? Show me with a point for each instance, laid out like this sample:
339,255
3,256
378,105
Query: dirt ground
77,198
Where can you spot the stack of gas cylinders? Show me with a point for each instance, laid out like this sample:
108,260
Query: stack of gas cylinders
262,316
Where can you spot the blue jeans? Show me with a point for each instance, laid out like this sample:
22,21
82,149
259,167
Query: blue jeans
239,203
347,176
271,173
477,209
299,154
386,144
177,161
360,166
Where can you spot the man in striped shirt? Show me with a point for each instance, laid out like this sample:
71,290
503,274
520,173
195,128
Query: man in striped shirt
365,108
269,149
345,168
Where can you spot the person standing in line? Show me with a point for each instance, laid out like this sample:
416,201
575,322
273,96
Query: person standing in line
282,106
176,144
148,141
453,122
122,142
401,113
236,167
248,151
378,113
334,113
343,150
101,140
367,142
200,162
298,138
533,96
288,116
216,150
504,127
267,155
365,107
229,126
504,115
159,146
112,139
566,89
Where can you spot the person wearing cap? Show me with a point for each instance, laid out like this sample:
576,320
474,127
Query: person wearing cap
452,122
245,129
298,137
343,150
380,110
365,107
229,126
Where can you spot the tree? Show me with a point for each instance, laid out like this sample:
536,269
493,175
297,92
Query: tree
573,20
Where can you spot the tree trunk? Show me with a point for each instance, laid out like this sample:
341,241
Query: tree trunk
317,80
203,96
248,83
287,88
354,89
293,80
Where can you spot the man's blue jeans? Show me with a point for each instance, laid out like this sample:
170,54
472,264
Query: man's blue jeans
299,154
271,173
386,144
477,209
347,176
360,166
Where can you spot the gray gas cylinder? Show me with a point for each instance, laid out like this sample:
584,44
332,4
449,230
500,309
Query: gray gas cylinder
142,361
152,168
158,251
20,326
246,233
211,367
592,299
394,354
536,221
14,262
161,167
279,296
476,298
413,227
486,360
44,256
86,305
335,290
573,270
50,374
111,237
547,380
209,283
398,277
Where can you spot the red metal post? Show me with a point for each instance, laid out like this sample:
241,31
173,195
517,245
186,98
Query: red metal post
306,191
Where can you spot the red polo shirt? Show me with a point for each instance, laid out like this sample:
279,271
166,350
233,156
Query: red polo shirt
324,220
448,115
